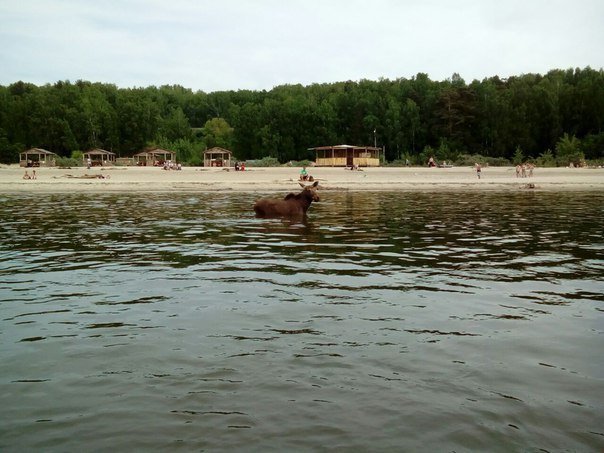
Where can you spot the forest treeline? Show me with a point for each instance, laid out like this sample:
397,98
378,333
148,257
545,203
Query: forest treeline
528,116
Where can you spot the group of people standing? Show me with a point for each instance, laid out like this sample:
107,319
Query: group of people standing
524,170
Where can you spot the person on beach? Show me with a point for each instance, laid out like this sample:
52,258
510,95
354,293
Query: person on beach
478,169
431,162
33,174
26,175
303,174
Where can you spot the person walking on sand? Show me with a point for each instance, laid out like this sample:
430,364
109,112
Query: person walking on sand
478,169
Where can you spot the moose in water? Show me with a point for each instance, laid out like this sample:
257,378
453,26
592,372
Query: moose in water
293,206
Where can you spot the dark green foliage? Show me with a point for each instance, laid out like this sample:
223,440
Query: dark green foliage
68,162
266,161
568,151
515,119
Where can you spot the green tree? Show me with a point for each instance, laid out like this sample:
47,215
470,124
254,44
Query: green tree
492,116
568,151
217,132
9,152
175,125
593,146
411,123
518,156
188,151
546,159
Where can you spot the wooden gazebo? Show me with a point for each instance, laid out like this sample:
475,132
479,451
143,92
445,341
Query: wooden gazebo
347,156
37,157
155,157
99,157
217,157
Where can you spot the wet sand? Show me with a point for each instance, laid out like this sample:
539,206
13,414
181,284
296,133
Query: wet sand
199,179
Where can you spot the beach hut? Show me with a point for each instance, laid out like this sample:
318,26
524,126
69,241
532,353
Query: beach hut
217,157
155,157
99,157
347,156
37,157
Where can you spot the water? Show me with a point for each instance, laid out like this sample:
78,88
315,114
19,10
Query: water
388,321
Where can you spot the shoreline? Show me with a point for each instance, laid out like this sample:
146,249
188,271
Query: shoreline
277,179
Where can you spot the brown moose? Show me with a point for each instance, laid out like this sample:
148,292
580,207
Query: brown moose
292,206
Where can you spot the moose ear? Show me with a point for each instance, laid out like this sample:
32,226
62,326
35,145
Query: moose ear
316,183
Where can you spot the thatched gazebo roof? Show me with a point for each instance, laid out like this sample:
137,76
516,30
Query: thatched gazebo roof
154,156
156,152
217,156
38,156
39,152
99,152
99,156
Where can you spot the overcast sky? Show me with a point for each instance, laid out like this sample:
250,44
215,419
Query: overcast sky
258,44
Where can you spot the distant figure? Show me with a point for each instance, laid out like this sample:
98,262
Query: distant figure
33,174
518,170
236,166
303,174
26,175
242,168
88,163
406,162
478,169
530,169
431,162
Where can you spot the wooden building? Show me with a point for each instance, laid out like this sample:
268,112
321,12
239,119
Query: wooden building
347,156
217,157
154,157
99,157
37,157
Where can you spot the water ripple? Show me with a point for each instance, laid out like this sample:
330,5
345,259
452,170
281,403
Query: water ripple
386,321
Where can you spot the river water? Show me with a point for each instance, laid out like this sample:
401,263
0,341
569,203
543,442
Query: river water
386,322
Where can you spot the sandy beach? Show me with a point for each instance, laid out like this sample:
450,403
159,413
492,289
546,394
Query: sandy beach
199,179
